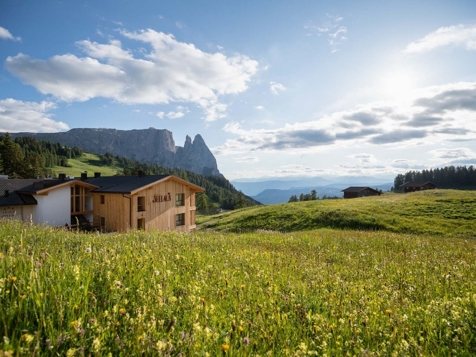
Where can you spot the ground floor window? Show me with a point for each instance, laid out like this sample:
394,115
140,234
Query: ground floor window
141,223
180,219
103,222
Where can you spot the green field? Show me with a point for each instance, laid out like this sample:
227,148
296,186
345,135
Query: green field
87,162
438,212
322,292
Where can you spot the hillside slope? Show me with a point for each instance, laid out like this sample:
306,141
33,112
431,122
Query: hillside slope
440,212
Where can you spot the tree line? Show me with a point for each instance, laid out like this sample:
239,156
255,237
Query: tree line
310,197
446,177
26,157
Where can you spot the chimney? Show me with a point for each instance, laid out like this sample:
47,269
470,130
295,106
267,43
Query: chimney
84,176
97,174
62,177
7,193
140,173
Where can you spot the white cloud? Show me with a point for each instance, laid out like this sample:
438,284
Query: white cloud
174,115
373,124
453,153
459,35
172,71
160,115
16,115
331,27
259,107
247,159
6,35
275,87
179,24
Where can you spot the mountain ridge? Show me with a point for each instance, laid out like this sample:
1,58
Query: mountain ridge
148,145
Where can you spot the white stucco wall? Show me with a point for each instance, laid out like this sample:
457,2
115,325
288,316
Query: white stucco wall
16,212
53,209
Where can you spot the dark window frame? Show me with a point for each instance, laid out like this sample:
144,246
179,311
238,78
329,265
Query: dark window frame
179,199
180,219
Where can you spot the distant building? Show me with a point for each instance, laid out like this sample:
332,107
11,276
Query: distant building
418,186
116,203
354,192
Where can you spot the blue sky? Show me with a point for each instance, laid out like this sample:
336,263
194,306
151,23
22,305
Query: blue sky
276,88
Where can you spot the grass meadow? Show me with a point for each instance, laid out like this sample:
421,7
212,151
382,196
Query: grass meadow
87,162
325,292
448,213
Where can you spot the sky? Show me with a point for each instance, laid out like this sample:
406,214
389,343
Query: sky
276,88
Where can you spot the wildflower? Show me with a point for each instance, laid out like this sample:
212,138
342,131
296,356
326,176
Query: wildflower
225,347
88,250
71,352
122,311
156,272
96,344
246,341
27,337
388,312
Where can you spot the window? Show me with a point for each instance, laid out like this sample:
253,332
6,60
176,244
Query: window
180,199
141,223
103,199
140,203
103,222
180,219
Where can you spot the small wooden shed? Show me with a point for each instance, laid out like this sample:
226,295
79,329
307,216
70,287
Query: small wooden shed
357,191
418,186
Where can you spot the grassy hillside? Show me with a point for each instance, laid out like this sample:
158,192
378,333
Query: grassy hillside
87,162
440,212
326,292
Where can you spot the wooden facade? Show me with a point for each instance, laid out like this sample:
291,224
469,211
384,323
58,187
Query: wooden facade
355,192
167,204
418,186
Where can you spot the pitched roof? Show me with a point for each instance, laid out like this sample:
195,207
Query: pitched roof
15,198
358,189
39,187
417,184
131,184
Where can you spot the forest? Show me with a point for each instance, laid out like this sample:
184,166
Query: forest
459,177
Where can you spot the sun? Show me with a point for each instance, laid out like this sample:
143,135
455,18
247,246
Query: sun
396,86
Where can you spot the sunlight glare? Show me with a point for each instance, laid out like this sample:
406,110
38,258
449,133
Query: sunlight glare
398,85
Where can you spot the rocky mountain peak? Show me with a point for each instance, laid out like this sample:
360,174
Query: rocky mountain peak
147,145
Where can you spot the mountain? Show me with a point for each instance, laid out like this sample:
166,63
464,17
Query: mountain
146,145
254,188
272,196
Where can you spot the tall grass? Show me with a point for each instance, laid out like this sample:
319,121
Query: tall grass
334,293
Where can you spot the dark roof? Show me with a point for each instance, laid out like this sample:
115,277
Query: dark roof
15,198
40,185
417,184
123,184
358,189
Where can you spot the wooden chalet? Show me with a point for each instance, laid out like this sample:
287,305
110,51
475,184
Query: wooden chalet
418,186
163,202
116,203
355,192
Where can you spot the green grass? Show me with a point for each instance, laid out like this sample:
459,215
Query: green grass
87,162
325,292
438,212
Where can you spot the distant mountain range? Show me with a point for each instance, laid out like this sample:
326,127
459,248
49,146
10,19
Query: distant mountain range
146,145
279,191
